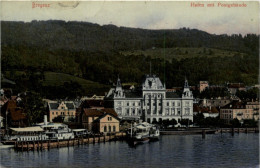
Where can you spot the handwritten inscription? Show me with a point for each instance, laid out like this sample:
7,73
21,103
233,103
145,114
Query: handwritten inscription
219,4
40,5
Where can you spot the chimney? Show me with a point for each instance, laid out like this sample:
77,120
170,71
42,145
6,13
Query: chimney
45,119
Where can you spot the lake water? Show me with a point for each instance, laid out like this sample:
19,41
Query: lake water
241,150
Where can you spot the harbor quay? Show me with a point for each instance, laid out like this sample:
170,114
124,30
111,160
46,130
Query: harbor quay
99,138
48,144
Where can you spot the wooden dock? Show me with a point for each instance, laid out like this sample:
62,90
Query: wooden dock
48,144
191,131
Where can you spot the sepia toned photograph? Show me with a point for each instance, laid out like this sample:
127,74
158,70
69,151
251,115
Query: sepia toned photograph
122,84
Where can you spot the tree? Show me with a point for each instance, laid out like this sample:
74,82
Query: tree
198,119
173,122
235,123
185,122
58,119
33,107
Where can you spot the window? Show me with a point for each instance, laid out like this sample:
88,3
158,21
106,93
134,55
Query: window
167,111
179,103
187,111
160,104
167,103
133,103
52,113
109,128
134,111
109,118
105,128
114,128
127,111
173,112
56,113
140,112
179,111
127,104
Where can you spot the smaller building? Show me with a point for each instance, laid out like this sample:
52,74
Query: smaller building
13,115
234,87
100,120
219,102
203,85
239,110
64,109
206,111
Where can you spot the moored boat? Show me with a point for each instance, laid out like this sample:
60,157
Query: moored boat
142,133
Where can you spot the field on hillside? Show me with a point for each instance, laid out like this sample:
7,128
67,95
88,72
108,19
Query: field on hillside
182,53
57,79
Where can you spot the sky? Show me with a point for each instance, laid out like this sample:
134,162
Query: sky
219,19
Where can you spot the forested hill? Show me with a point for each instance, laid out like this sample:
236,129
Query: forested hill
54,55
92,37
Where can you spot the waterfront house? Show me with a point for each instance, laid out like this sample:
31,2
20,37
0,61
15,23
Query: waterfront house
100,120
150,102
64,109
88,104
14,115
106,123
206,111
240,110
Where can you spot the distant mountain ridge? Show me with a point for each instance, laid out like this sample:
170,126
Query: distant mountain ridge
72,35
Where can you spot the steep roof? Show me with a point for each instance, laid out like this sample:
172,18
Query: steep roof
54,105
99,112
197,108
134,94
152,82
172,95
70,105
104,115
15,111
236,85
235,105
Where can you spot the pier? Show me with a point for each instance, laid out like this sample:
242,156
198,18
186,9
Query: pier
203,131
48,144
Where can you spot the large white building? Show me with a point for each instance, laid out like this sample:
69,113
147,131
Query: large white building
151,101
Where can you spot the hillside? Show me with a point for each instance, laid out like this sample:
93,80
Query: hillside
182,53
89,56
79,36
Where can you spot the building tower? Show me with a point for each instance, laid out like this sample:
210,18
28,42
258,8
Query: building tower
119,93
186,90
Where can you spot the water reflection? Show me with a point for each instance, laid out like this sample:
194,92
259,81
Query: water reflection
242,150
